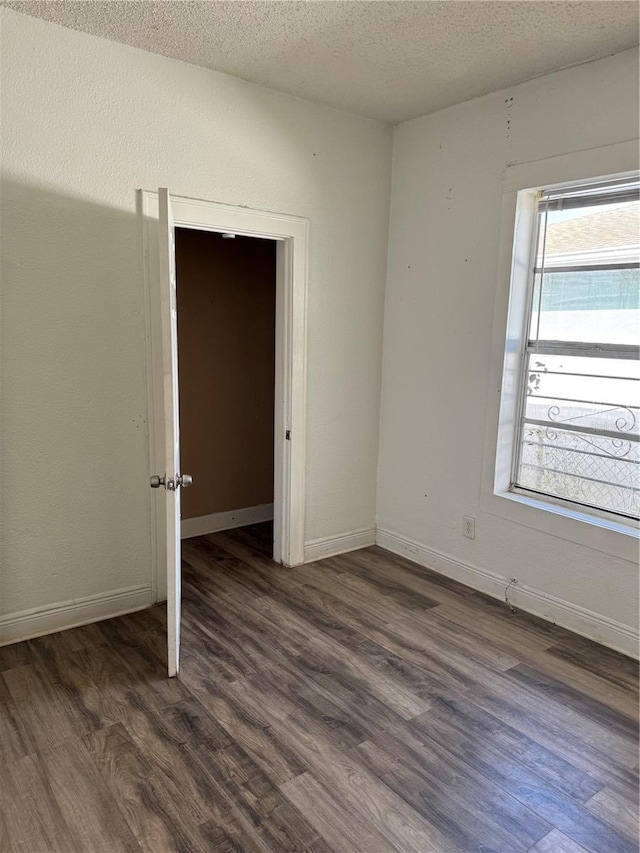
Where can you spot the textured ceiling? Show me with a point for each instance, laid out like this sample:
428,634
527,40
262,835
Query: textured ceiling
388,60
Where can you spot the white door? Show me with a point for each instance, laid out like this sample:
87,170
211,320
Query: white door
170,479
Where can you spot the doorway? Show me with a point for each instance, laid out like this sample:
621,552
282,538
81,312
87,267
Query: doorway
226,301
161,213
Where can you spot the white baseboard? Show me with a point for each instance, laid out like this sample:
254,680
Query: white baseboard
70,614
204,524
330,546
602,629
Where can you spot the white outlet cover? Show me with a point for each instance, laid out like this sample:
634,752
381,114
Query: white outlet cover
468,527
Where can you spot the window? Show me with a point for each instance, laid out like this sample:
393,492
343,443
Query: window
578,414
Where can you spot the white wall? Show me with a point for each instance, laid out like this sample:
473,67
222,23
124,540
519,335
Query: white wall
443,258
85,123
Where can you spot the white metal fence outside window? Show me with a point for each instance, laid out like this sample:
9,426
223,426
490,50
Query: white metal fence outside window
579,413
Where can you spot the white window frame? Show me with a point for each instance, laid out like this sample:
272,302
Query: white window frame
522,182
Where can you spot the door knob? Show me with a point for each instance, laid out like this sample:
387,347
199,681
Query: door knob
184,480
155,481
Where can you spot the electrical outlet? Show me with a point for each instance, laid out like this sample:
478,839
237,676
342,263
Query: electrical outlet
468,527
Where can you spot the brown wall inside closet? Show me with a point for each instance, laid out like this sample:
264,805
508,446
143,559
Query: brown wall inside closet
226,369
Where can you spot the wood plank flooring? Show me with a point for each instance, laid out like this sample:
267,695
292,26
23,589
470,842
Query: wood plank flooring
360,704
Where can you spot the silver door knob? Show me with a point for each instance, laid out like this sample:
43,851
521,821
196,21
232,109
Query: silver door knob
184,480
155,481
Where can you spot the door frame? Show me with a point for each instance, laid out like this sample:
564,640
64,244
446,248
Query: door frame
292,243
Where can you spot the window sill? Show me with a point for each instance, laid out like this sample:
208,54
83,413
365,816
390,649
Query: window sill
560,507
612,537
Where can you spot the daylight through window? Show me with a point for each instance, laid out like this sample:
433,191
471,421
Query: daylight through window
578,428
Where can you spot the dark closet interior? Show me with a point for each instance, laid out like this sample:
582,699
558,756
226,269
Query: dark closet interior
226,369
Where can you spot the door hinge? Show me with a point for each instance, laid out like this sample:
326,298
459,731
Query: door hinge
287,435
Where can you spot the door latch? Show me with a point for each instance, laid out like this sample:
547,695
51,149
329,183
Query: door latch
171,483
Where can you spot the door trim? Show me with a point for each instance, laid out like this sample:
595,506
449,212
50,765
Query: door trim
292,236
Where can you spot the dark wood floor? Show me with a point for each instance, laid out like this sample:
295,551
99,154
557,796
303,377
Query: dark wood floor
357,704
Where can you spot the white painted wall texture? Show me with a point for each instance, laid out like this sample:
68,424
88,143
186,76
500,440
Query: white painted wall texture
443,258
85,123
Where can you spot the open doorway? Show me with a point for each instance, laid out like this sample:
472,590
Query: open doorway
226,301
161,215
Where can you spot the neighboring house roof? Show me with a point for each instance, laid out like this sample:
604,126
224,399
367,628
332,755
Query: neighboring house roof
604,236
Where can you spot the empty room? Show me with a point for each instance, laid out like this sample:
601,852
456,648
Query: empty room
320,426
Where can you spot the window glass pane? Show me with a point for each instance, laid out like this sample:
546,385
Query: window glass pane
602,234
593,306
579,426
580,467
585,445
595,389
585,288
